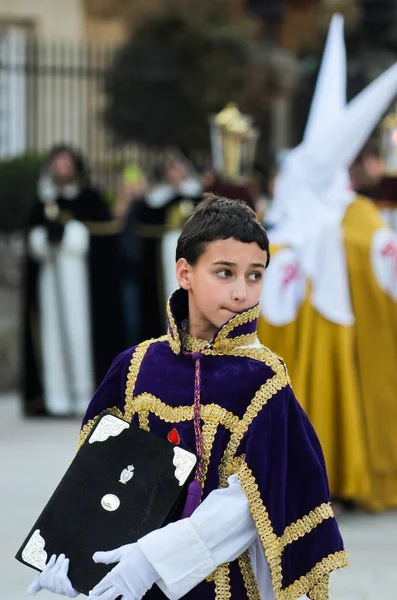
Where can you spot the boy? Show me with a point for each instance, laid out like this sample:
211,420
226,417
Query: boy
265,527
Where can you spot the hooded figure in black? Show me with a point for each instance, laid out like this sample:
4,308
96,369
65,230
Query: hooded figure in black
71,306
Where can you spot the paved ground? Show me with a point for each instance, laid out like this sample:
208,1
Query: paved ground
35,453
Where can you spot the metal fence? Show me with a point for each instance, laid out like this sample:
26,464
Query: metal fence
53,92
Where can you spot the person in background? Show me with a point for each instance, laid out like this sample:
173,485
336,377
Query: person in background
367,171
71,310
133,187
329,302
166,206
370,178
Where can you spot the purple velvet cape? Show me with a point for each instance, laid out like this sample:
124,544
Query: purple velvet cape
253,426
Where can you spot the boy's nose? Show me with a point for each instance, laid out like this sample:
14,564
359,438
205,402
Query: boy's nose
239,292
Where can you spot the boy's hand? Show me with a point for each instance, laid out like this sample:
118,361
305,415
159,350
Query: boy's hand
54,578
131,578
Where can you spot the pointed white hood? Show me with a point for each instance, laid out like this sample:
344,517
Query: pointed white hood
312,192
308,212
311,188
298,203
329,98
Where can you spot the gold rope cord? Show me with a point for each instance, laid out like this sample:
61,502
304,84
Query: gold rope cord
222,583
249,578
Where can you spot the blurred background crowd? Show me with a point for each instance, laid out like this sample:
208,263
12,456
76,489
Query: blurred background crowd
117,115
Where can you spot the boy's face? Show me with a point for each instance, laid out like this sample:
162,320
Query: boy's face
227,279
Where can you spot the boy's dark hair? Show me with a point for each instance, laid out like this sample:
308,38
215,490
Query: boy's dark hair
219,219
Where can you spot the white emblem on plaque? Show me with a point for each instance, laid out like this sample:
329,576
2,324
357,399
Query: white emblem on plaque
108,426
110,502
34,553
184,462
127,474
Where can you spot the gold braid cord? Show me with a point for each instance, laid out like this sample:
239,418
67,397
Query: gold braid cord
249,577
314,583
222,583
173,337
143,417
321,589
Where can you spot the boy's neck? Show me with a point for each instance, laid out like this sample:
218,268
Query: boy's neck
197,326
202,331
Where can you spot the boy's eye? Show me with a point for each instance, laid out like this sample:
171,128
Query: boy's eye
256,276
224,273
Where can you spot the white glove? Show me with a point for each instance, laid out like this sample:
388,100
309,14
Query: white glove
76,238
131,578
54,578
38,245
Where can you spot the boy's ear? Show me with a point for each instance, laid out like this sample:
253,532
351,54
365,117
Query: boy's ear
183,274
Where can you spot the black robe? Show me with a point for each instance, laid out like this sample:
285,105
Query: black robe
151,224
105,306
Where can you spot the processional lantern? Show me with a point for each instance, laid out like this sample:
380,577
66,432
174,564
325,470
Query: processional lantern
233,143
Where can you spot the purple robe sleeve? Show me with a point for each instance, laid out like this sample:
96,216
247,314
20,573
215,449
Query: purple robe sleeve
110,394
282,471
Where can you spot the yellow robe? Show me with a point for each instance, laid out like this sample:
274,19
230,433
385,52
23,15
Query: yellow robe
346,377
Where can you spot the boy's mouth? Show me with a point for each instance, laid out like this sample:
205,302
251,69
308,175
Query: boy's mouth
233,313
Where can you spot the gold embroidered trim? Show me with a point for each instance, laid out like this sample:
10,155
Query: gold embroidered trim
192,344
320,590
231,344
173,333
262,354
262,396
221,346
241,319
273,545
135,365
86,430
247,572
143,417
314,580
221,341
303,526
270,541
177,414
133,371
208,432
212,415
222,583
